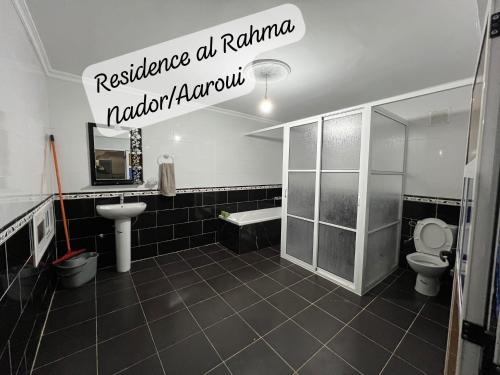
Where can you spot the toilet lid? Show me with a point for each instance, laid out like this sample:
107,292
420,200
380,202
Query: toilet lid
432,236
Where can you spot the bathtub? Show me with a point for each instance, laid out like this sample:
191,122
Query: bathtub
255,216
251,230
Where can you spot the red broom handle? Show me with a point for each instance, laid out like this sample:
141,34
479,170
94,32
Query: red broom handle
59,191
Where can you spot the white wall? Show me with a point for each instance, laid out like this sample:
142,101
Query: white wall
436,153
25,162
209,147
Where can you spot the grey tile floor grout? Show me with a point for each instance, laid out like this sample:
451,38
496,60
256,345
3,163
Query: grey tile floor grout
147,325
148,273
402,338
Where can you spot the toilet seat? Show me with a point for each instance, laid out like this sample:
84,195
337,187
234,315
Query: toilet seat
431,236
427,260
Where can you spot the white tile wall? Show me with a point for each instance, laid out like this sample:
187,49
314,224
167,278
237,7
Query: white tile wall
209,148
436,157
436,153
25,164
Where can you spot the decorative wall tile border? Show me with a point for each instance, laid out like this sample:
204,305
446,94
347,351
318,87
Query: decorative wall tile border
10,229
132,193
438,200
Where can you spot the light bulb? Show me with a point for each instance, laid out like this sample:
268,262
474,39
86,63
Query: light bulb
266,106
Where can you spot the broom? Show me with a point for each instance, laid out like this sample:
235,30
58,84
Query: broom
69,253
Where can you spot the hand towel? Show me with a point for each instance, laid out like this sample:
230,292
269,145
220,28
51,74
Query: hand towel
167,180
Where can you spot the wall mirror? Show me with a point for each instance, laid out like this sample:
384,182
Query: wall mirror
115,155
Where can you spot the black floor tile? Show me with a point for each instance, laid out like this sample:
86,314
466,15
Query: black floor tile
421,355
154,288
219,370
294,344
149,366
160,306
212,248
281,261
359,352
361,301
240,297
191,253
409,300
220,255
147,275
318,323
65,342
436,313
325,362
232,263
184,279
267,266
310,291
168,258
124,350
268,252
194,355
300,270
118,300
120,321
230,335
432,332
68,297
171,269
224,282
80,363
391,312
210,311
265,286
173,328
396,366
327,284
70,315
196,293
199,261
251,257
288,302
380,331
258,359
246,274
285,277
210,271
123,281
140,265
263,317
338,307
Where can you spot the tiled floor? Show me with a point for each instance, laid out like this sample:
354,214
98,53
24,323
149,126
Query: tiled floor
208,311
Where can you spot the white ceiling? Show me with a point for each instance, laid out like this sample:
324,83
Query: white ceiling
354,51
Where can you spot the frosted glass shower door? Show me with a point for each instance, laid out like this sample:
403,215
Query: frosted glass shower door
339,186
385,191
300,194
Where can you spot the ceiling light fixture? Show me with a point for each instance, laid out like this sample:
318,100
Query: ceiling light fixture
267,70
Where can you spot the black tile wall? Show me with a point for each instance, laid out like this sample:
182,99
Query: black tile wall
25,296
415,211
169,224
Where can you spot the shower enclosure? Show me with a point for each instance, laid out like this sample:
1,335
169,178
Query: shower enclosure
343,176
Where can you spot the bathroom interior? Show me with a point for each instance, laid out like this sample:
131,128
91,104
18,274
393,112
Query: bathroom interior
309,227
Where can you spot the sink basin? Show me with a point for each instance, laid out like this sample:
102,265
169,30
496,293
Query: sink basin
122,214
121,211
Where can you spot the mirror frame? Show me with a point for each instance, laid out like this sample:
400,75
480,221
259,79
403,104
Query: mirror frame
135,156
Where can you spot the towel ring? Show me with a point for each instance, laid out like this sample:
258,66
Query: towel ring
164,158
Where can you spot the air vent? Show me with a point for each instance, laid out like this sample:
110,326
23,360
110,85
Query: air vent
439,117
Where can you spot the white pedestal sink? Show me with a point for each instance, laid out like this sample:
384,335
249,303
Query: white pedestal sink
122,215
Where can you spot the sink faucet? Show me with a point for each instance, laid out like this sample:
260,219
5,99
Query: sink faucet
122,198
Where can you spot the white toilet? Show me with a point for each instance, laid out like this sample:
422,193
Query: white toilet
431,236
